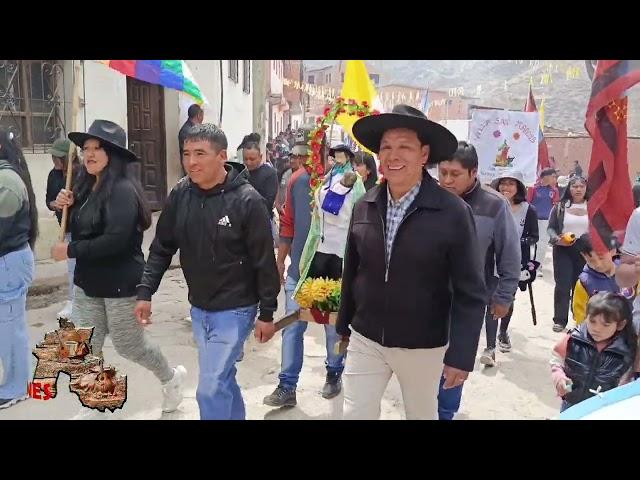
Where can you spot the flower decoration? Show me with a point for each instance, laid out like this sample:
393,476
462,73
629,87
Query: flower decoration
313,165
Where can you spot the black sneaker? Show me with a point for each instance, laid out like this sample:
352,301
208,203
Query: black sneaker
281,397
332,386
504,342
558,328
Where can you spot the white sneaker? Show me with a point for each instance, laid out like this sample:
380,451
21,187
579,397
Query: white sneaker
488,357
66,311
172,390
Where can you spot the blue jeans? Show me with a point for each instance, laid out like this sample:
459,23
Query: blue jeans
293,344
16,274
448,401
220,337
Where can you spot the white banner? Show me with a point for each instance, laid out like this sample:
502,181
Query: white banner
460,128
505,140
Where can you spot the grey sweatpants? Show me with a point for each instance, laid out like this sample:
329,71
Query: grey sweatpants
115,316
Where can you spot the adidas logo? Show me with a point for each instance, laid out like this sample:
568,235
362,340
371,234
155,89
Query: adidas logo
224,221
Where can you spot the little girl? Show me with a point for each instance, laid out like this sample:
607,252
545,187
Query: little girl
596,356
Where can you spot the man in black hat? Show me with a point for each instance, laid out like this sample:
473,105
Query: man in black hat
341,148
295,223
412,290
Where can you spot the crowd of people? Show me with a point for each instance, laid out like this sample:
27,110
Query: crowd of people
423,262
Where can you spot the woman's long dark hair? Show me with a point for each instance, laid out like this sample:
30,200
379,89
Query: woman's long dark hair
521,190
567,193
116,169
10,150
370,163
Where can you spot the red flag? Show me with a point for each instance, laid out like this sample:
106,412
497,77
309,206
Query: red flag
543,151
606,121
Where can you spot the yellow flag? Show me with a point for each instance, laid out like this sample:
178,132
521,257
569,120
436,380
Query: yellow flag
359,87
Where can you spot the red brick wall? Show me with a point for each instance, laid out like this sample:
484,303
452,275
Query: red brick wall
566,150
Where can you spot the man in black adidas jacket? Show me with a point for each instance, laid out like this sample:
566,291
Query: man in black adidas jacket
221,226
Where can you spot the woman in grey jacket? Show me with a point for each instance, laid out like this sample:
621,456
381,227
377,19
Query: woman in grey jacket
511,186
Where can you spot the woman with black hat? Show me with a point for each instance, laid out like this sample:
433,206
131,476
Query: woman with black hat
324,249
511,186
108,217
18,233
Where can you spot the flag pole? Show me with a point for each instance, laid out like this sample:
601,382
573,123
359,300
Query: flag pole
71,156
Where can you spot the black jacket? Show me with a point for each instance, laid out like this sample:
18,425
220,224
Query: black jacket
107,243
589,369
225,242
434,290
182,134
497,241
55,183
265,180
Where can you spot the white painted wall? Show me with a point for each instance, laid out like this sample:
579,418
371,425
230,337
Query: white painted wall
277,69
237,114
237,117
276,88
171,128
266,121
105,93
296,121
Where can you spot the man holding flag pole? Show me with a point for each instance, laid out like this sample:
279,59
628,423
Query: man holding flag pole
296,227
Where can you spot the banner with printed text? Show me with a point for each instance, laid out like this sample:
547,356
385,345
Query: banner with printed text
505,140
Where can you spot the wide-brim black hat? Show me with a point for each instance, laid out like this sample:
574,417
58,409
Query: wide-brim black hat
442,143
341,148
108,133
